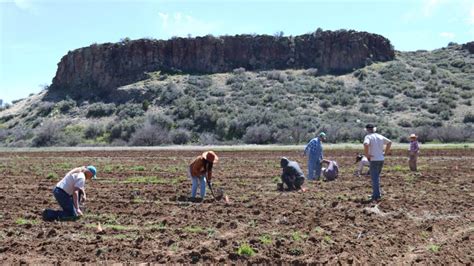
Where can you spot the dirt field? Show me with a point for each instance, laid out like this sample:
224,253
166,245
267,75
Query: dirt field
140,200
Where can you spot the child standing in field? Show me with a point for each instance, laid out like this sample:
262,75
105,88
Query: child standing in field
67,193
200,169
413,152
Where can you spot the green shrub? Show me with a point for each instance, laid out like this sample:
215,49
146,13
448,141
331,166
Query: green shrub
150,135
171,93
180,136
45,108
93,130
129,110
468,118
258,135
367,108
65,106
145,105
325,104
100,110
49,134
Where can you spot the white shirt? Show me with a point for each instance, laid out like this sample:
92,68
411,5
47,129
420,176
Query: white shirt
376,142
71,181
363,162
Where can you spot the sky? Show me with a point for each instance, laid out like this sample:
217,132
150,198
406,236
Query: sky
35,34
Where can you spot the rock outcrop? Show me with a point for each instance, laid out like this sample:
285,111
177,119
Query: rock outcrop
469,46
100,69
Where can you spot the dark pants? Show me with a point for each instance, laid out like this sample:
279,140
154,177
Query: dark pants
66,203
292,182
375,170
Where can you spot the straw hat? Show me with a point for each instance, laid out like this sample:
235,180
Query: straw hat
413,136
210,156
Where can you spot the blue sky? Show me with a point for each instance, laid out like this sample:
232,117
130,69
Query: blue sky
35,34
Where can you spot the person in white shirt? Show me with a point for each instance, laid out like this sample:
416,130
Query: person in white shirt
67,193
363,161
374,151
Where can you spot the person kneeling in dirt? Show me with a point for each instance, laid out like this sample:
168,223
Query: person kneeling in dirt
69,192
292,175
200,169
331,172
363,161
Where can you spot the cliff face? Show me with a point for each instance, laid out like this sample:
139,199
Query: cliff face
469,46
99,69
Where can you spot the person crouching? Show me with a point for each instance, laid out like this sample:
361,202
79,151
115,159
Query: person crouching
67,193
292,175
200,171
331,172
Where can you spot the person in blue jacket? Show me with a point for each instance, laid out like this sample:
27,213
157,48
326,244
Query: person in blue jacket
314,150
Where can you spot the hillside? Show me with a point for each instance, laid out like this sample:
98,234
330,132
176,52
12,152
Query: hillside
427,92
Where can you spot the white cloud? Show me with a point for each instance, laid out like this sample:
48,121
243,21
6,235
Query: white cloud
180,24
23,4
448,35
430,6
470,18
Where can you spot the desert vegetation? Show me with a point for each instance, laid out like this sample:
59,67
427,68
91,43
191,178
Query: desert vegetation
426,92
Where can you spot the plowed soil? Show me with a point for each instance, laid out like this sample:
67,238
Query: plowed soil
140,200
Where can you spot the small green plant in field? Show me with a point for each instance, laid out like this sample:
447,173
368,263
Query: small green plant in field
246,250
174,247
296,251
22,221
433,248
137,200
328,239
65,166
297,236
211,232
138,168
51,176
424,234
343,197
108,169
265,239
397,168
194,229
318,230
252,223
276,179
159,226
410,178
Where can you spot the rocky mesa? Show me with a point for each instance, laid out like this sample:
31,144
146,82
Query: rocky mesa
99,69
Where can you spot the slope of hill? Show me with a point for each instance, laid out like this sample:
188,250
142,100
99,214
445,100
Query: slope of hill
427,92
99,69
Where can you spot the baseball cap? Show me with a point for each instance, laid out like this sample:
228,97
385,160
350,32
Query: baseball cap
322,134
93,170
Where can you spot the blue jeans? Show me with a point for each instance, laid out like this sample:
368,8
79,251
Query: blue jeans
66,202
375,170
314,165
202,181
